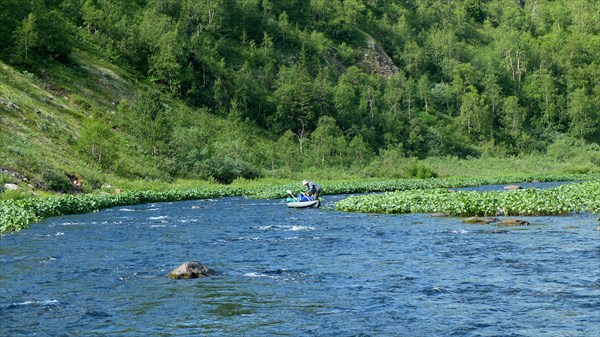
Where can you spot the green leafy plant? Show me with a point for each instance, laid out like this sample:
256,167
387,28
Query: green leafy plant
565,199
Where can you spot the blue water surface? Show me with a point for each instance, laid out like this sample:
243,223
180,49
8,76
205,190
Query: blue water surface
298,272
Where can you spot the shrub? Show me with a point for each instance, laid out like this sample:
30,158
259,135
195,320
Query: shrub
226,169
14,194
418,170
96,142
565,148
5,178
53,180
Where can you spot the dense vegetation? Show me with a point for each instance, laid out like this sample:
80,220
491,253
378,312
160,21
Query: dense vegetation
561,200
96,91
411,195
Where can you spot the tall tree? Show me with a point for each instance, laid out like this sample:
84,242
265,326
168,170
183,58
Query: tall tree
585,117
27,37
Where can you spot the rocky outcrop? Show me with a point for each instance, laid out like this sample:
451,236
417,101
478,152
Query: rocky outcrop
513,223
15,175
379,61
9,105
478,220
191,269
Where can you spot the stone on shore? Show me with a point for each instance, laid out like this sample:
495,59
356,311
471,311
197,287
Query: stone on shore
11,187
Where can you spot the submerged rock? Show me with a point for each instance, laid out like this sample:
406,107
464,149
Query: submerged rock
191,269
513,223
478,220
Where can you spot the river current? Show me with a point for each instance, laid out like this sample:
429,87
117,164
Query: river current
298,272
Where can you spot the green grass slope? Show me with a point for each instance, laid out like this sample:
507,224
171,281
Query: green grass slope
42,115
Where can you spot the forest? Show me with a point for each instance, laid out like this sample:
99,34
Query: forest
226,89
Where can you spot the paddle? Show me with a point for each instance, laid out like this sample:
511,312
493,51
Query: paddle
293,196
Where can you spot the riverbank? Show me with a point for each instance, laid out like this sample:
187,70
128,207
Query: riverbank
18,214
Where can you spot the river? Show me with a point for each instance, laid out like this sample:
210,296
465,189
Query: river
291,272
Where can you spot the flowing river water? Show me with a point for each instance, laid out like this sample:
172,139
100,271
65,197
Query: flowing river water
291,272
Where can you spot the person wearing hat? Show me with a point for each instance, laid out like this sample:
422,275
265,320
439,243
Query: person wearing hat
312,189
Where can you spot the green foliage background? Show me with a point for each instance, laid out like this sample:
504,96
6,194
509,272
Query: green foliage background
95,91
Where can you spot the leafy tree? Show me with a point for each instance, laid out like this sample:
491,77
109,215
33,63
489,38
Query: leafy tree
419,142
539,89
424,91
58,41
493,95
190,146
359,151
225,169
584,115
473,113
149,119
288,152
27,38
165,65
413,56
294,100
327,144
97,142
12,14
513,50
513,116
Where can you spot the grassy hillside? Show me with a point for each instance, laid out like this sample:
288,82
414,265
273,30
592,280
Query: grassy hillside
44,114
163,94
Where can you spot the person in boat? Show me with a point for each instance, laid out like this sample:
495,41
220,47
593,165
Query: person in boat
305,197
313,190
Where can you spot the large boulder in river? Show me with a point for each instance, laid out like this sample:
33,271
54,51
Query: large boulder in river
191,269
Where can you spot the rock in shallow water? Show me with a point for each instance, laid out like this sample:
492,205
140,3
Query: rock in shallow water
513,223
478,220
191,269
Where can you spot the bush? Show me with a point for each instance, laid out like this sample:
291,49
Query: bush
225,170
419,170
6,178
52,180
97,143
565,148
15,194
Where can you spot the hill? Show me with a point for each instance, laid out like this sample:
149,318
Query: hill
100,92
